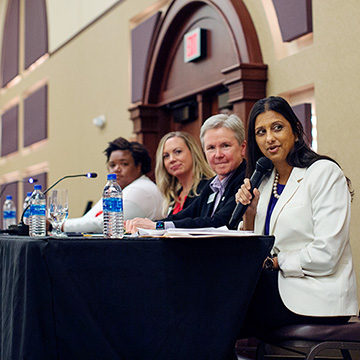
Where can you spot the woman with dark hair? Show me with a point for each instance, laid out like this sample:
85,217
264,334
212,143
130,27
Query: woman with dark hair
138,152
130,161
305,204
301,155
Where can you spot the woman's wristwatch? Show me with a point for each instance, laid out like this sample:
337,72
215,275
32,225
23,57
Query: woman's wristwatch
160,225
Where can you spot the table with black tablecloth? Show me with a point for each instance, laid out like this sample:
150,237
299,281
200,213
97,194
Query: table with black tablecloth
135,298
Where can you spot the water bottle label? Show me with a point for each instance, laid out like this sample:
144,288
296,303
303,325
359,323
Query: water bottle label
112,205
9,214
37,210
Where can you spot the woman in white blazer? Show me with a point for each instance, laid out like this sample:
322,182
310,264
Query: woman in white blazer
305,204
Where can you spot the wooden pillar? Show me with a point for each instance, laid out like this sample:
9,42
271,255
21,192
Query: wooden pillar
246,84
150,123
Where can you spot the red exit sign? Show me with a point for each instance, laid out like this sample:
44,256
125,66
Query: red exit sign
194,45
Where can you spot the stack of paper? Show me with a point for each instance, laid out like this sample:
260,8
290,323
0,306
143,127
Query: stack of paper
196,232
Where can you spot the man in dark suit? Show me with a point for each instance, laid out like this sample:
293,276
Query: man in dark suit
223,141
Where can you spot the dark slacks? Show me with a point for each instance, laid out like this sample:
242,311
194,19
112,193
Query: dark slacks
267,311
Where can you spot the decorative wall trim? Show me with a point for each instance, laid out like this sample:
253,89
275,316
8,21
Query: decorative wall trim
36,31
10,131
35,116
10,44
294,17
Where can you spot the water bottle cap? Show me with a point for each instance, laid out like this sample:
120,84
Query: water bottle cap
37,187
111,177
29,193
8,197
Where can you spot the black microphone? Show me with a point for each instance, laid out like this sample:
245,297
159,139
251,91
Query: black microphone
29,180
23,229
263,167
88,175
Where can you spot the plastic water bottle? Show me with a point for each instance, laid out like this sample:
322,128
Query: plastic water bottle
37,213
27,211
113,209
9,212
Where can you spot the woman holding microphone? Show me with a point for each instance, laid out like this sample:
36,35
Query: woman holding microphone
305,204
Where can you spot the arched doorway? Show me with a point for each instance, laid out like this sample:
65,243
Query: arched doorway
181,95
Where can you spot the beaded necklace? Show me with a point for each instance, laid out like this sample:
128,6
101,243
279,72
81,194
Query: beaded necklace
275,193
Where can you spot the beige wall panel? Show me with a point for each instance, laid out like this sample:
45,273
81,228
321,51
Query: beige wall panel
337,92
67,17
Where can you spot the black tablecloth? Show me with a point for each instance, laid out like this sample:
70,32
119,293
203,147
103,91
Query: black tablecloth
130,299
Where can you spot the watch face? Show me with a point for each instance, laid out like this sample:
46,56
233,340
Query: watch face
160,225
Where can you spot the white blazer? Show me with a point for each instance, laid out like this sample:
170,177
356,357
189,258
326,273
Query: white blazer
310,223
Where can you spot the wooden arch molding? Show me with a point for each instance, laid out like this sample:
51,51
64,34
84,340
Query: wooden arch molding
233,60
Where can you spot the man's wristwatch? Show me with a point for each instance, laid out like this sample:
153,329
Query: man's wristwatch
269,263
160,225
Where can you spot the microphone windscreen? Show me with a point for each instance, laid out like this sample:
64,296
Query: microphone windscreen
262,168
91,175
264,165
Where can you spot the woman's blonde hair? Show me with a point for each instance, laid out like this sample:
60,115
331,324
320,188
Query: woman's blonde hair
168,184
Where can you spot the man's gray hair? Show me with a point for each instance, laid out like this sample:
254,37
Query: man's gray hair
231,122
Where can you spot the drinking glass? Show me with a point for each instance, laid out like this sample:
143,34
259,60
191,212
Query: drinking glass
58,210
